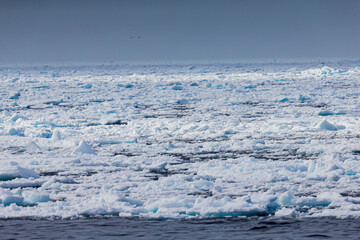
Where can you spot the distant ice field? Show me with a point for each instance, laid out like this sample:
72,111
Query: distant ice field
180,141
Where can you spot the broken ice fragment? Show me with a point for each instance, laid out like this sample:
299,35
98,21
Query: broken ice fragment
11,170
83,147
32,147
325,125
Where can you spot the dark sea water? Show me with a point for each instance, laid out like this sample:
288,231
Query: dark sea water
120,228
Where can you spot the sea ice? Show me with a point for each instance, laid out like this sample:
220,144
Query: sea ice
180,141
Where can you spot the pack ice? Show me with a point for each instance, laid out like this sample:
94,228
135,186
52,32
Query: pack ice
277,139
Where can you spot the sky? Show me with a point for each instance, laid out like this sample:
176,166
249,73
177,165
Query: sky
184,30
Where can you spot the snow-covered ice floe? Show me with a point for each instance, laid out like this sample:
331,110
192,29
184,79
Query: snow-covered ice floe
180,141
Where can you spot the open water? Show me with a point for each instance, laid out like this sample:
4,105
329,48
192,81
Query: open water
122,228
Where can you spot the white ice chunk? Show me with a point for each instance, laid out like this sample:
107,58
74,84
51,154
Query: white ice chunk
157,166
8,198
11,170
325,125
44,133
326,113
56,135
15,117
328,70
14,132
286,212
289,199
286,198
32,147
83,147
36,197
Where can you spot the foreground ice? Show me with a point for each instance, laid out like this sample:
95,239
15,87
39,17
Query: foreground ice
180,141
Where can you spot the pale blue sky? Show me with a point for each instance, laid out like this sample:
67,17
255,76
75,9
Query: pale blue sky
64,30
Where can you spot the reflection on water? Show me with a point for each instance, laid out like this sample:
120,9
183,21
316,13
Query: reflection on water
121,228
